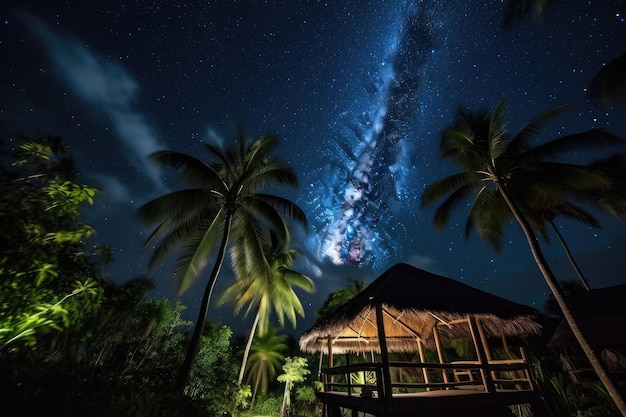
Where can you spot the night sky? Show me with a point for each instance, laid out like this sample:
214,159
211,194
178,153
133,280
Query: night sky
359,92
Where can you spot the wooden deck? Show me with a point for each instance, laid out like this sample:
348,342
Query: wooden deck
430,404
428,389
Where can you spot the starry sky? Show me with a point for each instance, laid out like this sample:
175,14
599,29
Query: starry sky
359,92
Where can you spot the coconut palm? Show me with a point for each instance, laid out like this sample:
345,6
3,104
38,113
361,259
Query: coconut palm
267,355
225,202
269,292
544,195
495,165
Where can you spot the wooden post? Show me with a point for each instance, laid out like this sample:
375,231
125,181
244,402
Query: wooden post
384,354
329,378
420,349
524,354
482,356
483,339
348,375
319,368
330,352
440,353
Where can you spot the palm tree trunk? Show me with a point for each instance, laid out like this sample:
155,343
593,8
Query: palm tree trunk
284,408
581,277
568,314
246,351
194,344
256,388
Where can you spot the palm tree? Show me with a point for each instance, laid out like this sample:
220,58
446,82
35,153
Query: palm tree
267,355
545,195
495,166
271,291
225,198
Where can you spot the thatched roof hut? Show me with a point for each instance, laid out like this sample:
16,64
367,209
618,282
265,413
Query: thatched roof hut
414,302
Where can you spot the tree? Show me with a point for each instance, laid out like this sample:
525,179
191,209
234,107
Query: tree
226,198
495,166
49,280
555,190
270,292
295,369
266,355
340,296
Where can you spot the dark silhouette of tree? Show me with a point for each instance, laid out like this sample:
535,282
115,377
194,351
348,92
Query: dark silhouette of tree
495,166
225,198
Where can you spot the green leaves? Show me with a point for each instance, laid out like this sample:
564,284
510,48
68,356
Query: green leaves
44,264
42,317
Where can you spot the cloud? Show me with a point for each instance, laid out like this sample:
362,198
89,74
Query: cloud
106,86
423,262
114,189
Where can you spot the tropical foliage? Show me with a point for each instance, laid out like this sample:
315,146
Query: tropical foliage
340,296
266,358
58,284
226,198
500,170
270,292
295,370
72,342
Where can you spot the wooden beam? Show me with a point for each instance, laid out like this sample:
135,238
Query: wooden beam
482,356
420,349
402,324
440,353
483,338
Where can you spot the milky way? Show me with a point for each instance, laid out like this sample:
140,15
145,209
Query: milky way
364,184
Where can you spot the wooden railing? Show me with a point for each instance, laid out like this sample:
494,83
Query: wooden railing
496,375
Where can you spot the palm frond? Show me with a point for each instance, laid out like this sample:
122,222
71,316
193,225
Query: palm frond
487,215
196,254
191,169
498,133
520,142
285,207
297,279
590,140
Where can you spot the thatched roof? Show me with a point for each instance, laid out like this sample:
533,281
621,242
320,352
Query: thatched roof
413,302
601,313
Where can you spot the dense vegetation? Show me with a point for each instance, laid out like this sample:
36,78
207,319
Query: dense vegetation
72,342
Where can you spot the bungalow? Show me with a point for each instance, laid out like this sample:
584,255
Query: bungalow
405,324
